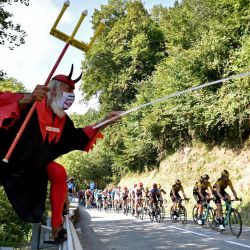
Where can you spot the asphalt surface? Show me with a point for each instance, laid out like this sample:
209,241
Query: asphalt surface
101,230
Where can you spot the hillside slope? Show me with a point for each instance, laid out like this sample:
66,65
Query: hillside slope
191,162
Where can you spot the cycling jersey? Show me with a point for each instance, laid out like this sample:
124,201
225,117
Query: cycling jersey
176,188
138,191
117,194
222,184
98,195
88,193
202,185
154,192
105,195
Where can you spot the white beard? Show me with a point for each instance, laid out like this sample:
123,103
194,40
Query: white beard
56,110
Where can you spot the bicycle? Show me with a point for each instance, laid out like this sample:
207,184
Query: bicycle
155,212
117,206
140,209
126,207
207,216
180,214
231,217
99,204
146,205
163,213
105,204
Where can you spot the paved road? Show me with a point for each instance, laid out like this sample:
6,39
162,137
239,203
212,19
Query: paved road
110,230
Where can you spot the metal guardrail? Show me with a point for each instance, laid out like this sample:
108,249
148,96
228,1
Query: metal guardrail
41,233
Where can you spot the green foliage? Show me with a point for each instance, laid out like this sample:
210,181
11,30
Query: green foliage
13,231
10,33
126,54
144,56
12,85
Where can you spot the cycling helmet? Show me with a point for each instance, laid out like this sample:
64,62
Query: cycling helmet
205,177
177,181
140,184
154,185
225,173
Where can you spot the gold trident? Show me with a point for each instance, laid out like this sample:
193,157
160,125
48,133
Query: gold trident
70,39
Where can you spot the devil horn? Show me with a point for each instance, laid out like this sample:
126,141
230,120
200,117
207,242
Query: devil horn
71,72
77,79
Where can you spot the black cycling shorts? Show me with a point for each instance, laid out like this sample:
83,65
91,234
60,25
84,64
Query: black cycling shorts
176,195
217,199
198,197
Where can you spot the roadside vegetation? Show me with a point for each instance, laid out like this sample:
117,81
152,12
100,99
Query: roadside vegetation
143,55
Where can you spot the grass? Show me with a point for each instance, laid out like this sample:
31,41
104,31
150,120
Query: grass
189,163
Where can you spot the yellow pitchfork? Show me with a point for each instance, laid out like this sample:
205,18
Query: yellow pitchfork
70,40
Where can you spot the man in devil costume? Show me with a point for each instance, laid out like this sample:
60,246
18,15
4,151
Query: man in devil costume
49,134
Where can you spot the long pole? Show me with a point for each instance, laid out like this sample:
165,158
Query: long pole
178,93
20,132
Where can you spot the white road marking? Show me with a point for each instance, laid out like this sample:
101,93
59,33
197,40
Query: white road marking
188,231
235,243
192,232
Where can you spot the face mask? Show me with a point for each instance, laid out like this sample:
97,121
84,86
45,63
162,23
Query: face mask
65,101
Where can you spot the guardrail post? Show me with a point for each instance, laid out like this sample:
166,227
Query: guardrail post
36,227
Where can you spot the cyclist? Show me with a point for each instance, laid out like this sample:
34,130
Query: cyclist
139,192
105,195
81,197
98,198
174,194
88,197
117,197
154,195
220,194
163,192
125,194
202,191
132,198
147,192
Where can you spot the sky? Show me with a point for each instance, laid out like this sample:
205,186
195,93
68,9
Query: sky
32,62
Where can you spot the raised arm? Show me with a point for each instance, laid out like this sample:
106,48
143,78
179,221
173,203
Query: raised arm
37,95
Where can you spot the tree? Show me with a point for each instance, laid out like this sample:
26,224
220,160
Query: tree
126,53
12,85
10,33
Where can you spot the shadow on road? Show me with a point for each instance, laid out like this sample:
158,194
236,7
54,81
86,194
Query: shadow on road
117,231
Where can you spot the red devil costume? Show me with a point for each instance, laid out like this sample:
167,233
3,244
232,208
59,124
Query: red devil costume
45,138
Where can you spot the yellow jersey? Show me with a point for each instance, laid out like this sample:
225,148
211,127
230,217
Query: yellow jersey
222,183
202,185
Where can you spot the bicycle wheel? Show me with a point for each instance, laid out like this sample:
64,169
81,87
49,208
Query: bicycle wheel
210,217
183,215
99,207
105,206
117,207
195,214
173,215
158,214
150,213
162,213
235,223
141,215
